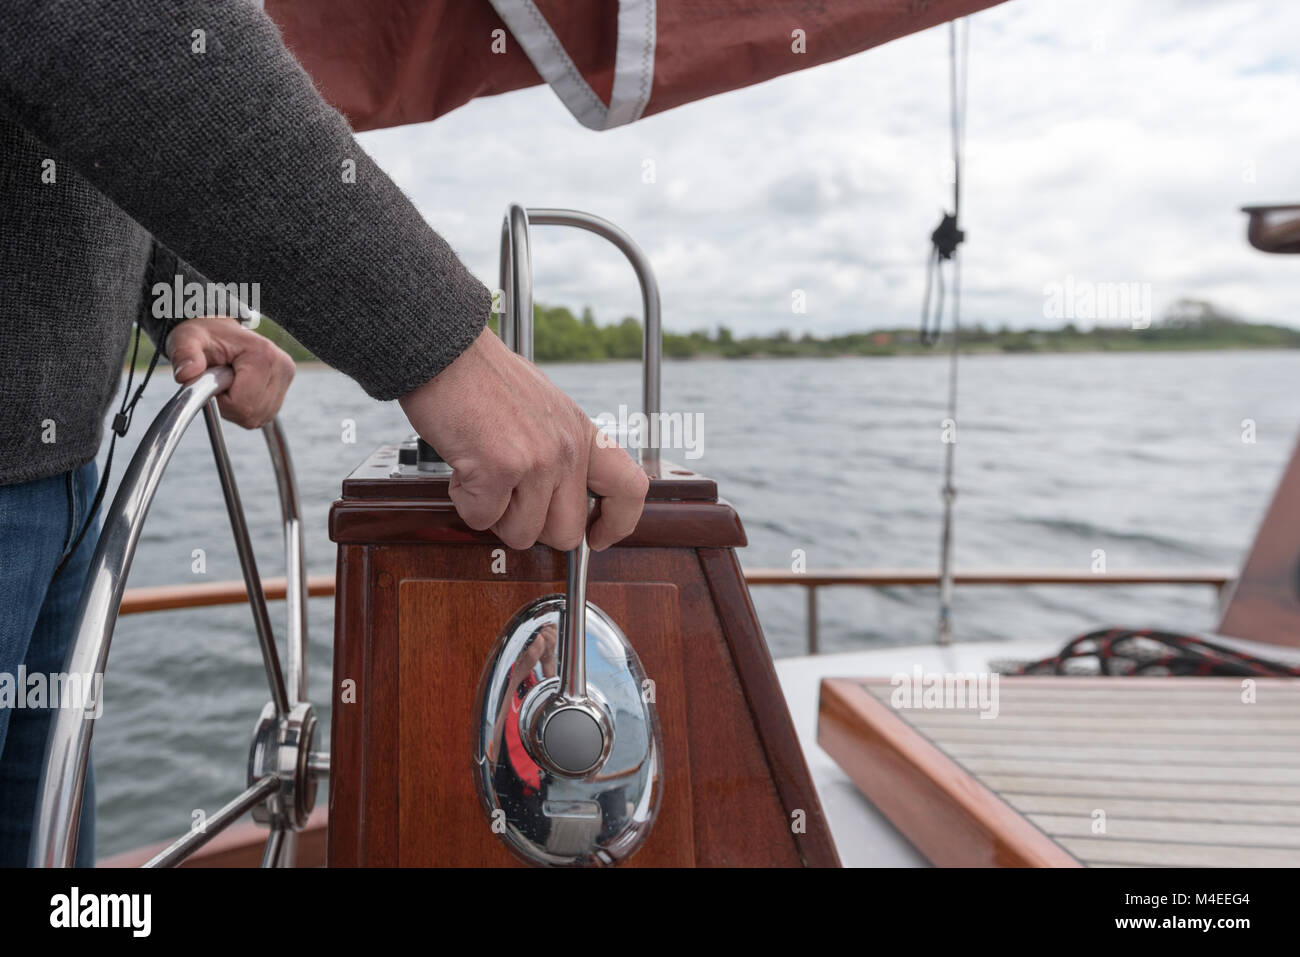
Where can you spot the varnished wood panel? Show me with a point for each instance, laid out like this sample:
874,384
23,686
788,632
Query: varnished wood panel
447,630
373,479
738,815
346,717
756,675
739,819
695,524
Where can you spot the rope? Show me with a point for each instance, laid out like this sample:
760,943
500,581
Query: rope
948,235
944,242
1121,652
121,422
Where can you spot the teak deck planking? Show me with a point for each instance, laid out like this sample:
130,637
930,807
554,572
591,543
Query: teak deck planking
1082,771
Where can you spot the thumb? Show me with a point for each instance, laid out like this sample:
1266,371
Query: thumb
188,354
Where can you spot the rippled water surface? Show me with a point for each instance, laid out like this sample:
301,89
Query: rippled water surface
1141,456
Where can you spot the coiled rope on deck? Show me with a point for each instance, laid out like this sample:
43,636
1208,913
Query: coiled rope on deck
1129,652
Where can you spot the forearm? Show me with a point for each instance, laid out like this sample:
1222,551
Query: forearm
231,159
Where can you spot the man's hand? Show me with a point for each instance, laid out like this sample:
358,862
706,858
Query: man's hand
524,454
263,370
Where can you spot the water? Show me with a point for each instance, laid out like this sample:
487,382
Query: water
1139,455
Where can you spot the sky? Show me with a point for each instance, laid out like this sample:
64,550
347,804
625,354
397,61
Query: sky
1107,141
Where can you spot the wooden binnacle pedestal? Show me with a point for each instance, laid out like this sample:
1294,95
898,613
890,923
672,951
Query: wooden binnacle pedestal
422,599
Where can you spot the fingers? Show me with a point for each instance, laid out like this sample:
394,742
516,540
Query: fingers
522,522
262,370
189,358
262,377
522,454
532,512
622,486
480,501
566,521
246,403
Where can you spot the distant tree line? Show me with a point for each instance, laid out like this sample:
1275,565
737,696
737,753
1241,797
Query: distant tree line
560,336
1190,324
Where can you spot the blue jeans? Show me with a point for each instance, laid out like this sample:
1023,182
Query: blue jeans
38,614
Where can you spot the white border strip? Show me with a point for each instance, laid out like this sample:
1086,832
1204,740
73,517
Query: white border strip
634,61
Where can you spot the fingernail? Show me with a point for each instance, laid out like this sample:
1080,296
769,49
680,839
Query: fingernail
177,370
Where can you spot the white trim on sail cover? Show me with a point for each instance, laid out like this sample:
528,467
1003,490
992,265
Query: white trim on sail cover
634,61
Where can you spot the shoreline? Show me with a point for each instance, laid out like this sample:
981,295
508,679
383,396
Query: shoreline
938,350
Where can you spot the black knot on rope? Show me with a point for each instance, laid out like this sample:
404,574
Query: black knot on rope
947,237
943,246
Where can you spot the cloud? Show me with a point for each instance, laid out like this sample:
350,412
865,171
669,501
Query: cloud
1107,140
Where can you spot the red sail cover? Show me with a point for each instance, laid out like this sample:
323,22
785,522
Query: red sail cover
388,62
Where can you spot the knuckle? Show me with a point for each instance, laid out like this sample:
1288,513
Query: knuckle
545,461
628,525
236,410
567,452
635,484
514,539
476,508
475,516
475,519
568,540
512,466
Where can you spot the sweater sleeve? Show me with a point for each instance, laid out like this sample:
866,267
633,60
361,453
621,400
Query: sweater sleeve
165,267
193,117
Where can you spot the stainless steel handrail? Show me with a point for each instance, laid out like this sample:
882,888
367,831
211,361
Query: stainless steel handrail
58,808
516,275
294,562
517,290
247,560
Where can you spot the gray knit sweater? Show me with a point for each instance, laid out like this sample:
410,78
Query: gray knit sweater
131,145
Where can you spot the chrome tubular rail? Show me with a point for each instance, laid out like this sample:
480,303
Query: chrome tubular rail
183,847
573,643
516,278
58,810
517,308
294,562
247,560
